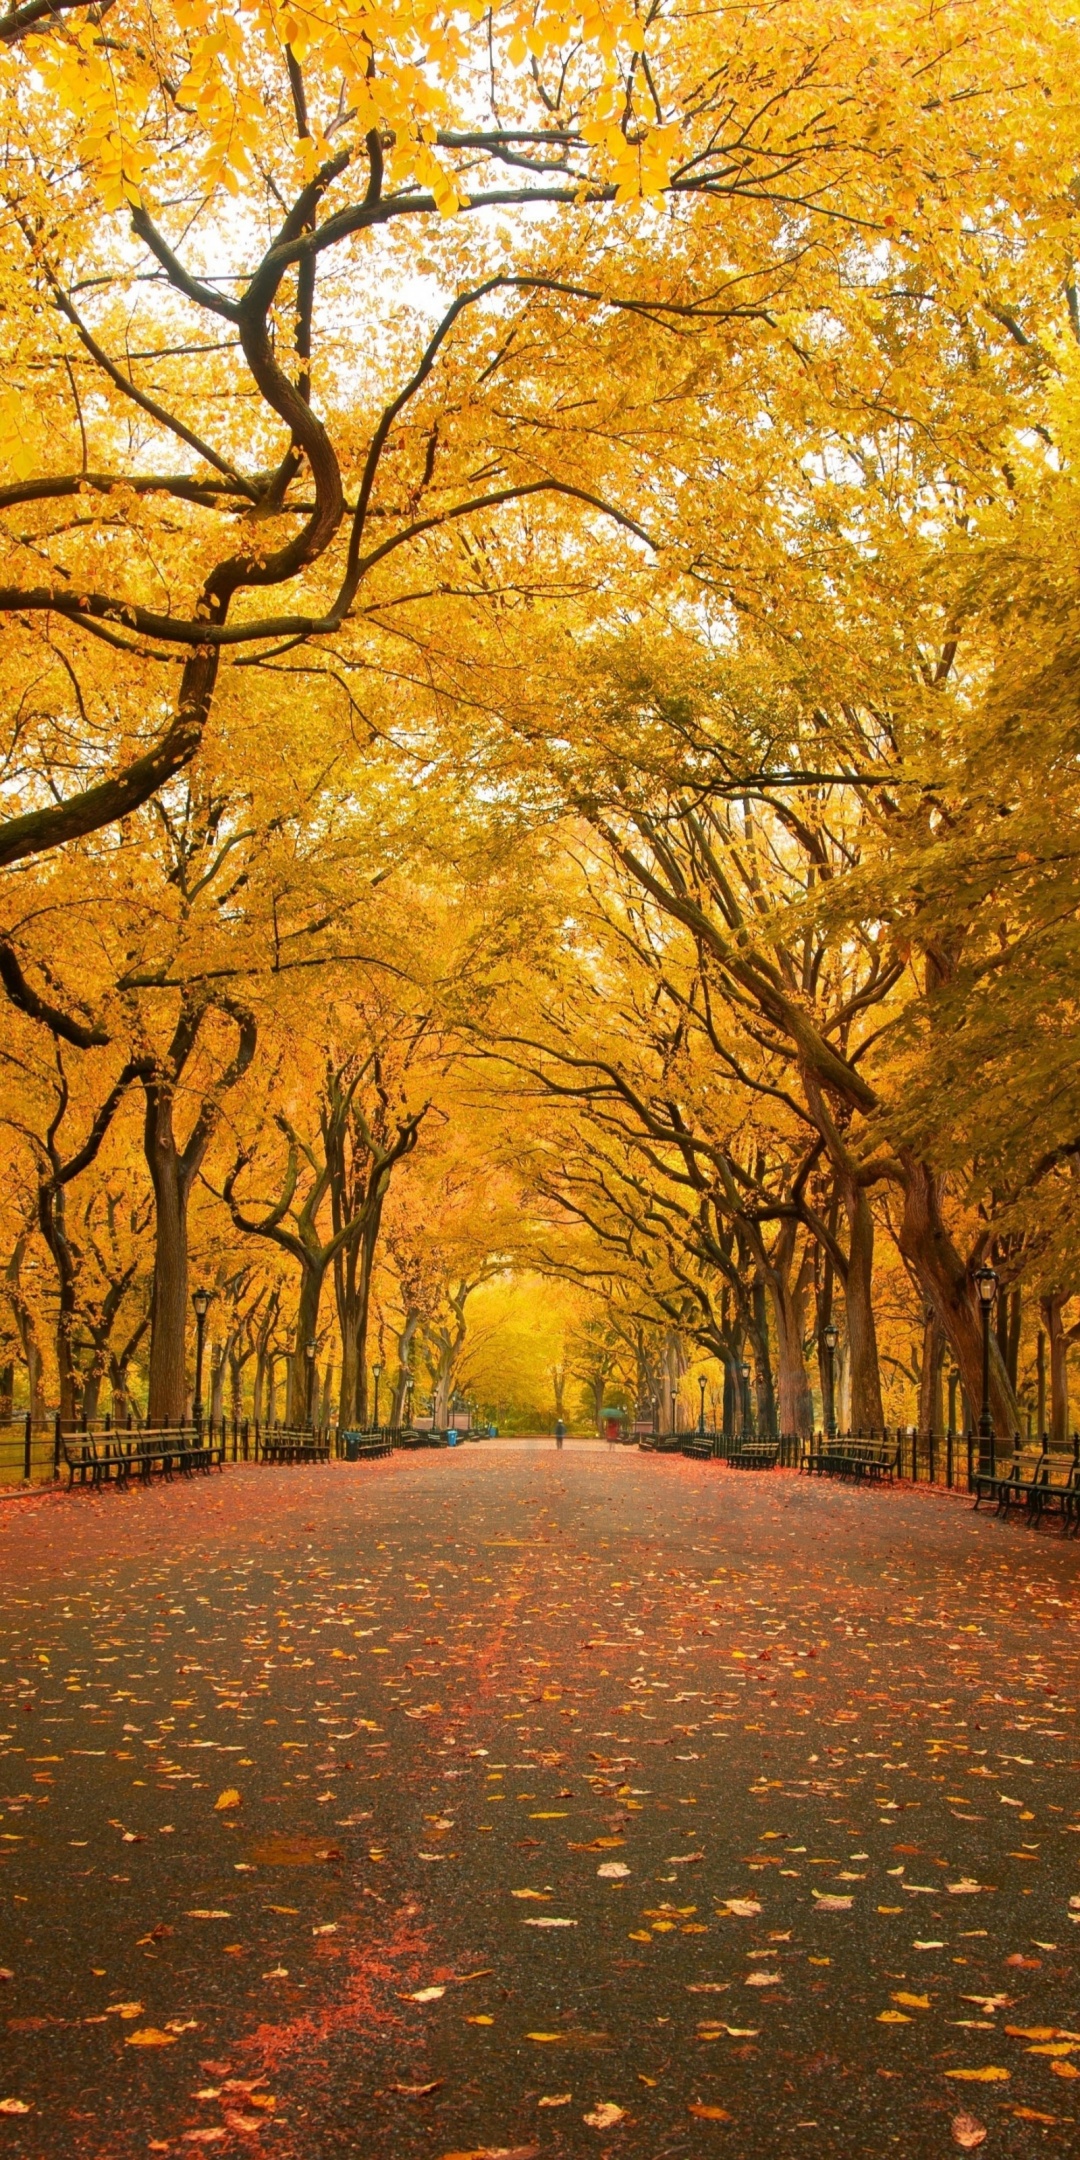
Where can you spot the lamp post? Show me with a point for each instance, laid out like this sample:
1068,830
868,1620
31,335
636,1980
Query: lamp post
701,1413
376,1374
309,1353
201,1301
831,1336
986,1284
744,1375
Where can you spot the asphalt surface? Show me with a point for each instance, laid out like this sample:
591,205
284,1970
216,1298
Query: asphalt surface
507,1802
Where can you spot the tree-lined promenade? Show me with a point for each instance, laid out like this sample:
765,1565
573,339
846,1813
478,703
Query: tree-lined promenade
539,645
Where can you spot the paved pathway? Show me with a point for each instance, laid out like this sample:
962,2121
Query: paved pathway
501,1801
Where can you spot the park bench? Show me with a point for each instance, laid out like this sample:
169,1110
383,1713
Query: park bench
102,1458
1041,1483
851,1456
287,1444
755,1455
361,1446
700,1446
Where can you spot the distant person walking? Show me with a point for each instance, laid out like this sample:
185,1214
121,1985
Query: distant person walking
560,1431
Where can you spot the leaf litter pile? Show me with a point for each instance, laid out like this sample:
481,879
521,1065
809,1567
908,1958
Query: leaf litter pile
503,1804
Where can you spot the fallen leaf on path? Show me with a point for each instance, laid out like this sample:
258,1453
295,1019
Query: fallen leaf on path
428,1994
230,1798
1064,2069
124,2010
912,2002
613,1870
604,2115
548,1920
827,1903
762,1979
494,2152
14,2107
706,2113
744,1908
555,2100
1022,2114
967,2132
991,2075
417,2092
151,2036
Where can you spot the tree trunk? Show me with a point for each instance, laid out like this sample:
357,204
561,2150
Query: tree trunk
307,1323
947,1285
732,1412
169,1297
172,1174
218,1366
933,1354
866,1412
7,1387
404,1372
766,1392
1059,1372
795,1407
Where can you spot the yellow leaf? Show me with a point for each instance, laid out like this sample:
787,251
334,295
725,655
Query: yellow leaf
150,2036
911,2002
230,1798
992,2075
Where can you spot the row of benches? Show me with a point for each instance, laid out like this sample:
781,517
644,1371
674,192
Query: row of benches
1035,1481
111,1457
115,1458
742,1455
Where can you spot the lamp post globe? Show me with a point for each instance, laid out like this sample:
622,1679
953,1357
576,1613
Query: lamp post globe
831,1336
201,1301
986,1283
